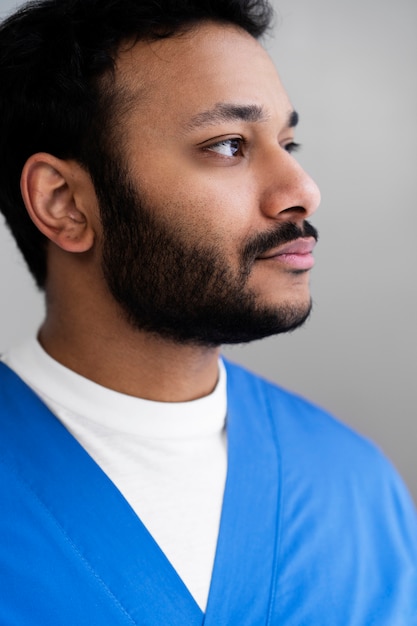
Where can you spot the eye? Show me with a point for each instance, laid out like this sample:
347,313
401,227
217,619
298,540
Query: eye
292,147
227,147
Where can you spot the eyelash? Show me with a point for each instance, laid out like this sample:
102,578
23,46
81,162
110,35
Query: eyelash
289,147
236,140
292,147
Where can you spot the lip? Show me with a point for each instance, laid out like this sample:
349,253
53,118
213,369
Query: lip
296,254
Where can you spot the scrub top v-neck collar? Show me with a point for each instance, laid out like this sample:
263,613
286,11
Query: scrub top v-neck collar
111,539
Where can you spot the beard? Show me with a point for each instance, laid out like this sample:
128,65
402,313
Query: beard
184,291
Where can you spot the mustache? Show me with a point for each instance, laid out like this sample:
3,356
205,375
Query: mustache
284,233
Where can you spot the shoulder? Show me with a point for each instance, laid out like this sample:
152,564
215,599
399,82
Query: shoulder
286,406
321,445
335,485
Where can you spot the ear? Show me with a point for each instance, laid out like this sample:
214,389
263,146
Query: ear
60,199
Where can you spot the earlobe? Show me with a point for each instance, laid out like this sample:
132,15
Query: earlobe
52,191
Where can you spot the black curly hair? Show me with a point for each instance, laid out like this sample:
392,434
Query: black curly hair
54,55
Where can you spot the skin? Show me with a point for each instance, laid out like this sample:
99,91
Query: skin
221,192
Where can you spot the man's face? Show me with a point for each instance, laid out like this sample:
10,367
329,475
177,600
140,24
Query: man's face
207,241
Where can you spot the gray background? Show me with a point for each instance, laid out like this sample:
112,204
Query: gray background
350,68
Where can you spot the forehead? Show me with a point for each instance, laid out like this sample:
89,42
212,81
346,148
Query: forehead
179,78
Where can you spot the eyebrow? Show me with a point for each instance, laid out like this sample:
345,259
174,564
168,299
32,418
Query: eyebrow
293,119
223,112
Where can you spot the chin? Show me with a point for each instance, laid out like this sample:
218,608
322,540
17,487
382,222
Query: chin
299,300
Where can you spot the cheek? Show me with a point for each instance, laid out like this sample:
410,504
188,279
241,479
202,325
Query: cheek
213,208
210,203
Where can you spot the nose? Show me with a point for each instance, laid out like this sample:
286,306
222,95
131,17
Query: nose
288,190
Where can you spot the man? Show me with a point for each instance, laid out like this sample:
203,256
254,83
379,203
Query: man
147,176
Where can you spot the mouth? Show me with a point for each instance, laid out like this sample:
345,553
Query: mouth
297,254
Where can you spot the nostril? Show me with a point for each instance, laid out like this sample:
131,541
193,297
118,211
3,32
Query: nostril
296,210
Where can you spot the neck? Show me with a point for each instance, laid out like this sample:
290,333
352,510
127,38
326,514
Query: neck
131,362
86,331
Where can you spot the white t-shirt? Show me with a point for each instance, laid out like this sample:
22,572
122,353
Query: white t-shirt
169,460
